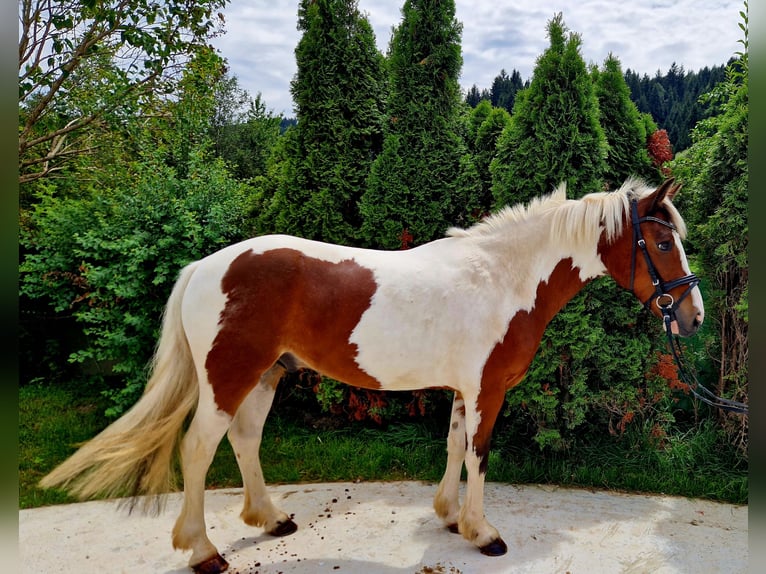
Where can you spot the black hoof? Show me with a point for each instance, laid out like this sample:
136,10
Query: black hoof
494,548
214,565
453,528
284,528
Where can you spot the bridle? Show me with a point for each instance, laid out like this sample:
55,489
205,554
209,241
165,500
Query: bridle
667,305
661,297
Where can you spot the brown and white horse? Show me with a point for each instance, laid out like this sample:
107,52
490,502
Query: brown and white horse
466,312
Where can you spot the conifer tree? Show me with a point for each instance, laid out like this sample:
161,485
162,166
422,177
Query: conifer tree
715,171
555,134
623,126
476,117
339,94
504,88
424,180
483,143
598,340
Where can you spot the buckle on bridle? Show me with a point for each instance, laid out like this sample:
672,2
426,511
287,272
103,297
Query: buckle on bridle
664,306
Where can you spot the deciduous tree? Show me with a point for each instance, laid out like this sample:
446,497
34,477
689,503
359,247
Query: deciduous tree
715,171
660,148
87,64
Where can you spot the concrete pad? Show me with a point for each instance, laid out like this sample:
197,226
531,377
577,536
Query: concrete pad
390,528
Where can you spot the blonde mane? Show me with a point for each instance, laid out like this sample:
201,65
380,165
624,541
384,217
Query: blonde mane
573,220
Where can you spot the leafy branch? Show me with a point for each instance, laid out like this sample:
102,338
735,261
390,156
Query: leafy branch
86,63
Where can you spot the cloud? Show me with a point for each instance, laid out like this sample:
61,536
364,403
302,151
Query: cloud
646,36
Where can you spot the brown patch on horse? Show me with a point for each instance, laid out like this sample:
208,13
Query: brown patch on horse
509,360
283,301
618,255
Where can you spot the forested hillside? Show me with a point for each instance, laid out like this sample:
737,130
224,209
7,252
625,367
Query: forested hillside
129,173
672,99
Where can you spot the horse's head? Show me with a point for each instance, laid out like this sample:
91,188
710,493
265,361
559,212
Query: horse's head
649,260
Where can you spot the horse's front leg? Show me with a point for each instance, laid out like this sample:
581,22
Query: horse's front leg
446,501
480,416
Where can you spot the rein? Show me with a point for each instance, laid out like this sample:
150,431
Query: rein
690,380
667,306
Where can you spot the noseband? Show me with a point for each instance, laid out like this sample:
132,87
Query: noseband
662,298
668,305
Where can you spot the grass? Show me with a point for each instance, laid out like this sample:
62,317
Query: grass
293,453
695,463
51,421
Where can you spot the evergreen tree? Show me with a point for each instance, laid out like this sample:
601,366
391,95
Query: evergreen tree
598,340
476,117
554,135
474,96
673,99
623,126
715,171
483,145
424,179
339,93
504,89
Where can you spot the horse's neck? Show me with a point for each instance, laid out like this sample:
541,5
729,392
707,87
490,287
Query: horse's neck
543,273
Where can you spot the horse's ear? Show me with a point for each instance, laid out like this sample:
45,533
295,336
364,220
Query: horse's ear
673,191
666,190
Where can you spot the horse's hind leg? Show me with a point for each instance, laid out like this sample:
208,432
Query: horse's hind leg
245,437
197,450
446,501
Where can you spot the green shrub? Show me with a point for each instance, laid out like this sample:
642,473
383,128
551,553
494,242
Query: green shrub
110,259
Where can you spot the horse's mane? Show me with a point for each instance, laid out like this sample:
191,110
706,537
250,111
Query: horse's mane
574,220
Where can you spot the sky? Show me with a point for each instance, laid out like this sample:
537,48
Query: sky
646,36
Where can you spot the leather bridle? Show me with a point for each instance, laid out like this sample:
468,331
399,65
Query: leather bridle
665,302
667,305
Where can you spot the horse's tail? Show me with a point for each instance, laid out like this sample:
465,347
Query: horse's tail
135,454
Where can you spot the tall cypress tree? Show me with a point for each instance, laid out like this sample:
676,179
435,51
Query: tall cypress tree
598,341
623,126
424,179
339,95
555,133
491,123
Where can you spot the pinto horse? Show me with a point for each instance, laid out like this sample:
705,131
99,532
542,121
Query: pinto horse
466,312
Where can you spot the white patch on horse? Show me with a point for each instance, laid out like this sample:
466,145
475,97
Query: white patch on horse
441,308
696,295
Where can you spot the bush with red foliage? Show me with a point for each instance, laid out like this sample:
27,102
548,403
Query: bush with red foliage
660,149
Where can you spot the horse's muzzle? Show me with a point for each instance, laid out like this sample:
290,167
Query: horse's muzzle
687,328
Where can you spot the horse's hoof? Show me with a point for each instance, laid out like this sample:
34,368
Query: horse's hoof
494,548
214,565
284,528
453,528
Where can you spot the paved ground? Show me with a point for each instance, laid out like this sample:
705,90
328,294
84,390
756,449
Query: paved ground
390,528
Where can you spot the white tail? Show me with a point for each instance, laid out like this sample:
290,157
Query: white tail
135,454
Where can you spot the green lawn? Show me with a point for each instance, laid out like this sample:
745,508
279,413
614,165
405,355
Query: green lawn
695,463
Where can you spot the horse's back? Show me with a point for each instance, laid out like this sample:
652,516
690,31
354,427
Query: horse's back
428,316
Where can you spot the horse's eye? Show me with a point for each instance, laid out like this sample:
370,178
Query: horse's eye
665,246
